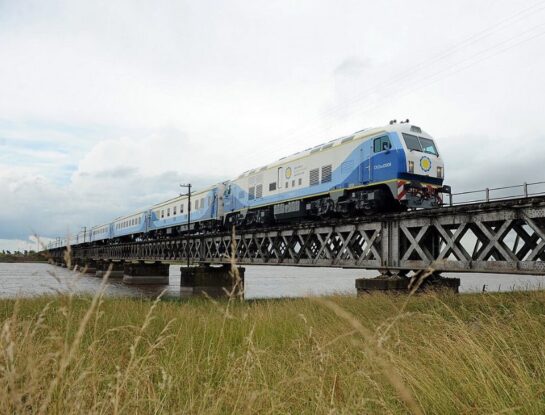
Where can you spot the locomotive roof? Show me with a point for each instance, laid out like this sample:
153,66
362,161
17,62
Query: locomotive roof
367,132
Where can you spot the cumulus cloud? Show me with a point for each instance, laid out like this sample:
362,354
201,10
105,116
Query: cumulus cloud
114,178
31,243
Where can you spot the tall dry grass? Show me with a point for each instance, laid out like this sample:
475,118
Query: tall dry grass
479,353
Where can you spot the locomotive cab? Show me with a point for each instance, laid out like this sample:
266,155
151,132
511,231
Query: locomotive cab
421,184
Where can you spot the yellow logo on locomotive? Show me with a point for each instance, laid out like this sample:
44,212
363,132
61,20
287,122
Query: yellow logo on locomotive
288,172
425,163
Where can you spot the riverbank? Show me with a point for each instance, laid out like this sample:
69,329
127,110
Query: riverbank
477,353
22,258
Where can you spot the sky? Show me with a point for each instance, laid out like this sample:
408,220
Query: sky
106,107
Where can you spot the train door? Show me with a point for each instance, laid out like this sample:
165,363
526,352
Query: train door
212,202
280,177
365,162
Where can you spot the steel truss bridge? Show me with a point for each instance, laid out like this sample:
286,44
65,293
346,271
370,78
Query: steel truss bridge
505,236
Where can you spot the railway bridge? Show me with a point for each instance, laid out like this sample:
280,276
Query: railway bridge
493,236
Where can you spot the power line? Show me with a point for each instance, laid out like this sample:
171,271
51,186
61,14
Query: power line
522,14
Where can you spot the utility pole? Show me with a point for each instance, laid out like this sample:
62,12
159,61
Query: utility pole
188,218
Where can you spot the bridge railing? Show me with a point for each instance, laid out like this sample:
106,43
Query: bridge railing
490,194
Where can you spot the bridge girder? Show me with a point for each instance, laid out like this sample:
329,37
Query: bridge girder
496,237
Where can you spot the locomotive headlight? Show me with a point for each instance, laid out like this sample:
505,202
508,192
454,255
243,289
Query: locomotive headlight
411,166
440,172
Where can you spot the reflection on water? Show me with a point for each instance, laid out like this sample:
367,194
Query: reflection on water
260,282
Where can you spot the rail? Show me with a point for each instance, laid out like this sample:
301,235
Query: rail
505,236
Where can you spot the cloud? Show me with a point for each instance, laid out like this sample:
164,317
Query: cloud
32,243
107,106
115,177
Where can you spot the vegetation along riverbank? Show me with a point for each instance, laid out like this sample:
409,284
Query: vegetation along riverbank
470,353
18,256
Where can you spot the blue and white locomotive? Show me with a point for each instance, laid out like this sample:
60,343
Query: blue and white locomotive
391,168
375,170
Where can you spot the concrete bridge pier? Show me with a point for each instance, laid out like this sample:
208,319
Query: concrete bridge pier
76,264
146,273
88,267
398,281
211,281
117,269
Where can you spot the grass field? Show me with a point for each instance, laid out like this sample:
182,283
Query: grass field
478,353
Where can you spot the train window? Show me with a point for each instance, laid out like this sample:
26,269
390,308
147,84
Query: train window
293,183
272,187
326,173
258,191
287,184
174,211
202,203
251,193
427,145
168,212
314,177
182,208
412,142
196,204
381,144
162,213
300,181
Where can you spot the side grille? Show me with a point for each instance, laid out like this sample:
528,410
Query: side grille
314,176
326,174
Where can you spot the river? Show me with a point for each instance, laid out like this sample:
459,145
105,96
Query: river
26,280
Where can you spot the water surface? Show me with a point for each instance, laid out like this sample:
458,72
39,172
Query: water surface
26,280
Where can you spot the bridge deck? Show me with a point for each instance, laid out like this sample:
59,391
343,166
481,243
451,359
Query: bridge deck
501,237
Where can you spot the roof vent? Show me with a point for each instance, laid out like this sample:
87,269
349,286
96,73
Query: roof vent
416,129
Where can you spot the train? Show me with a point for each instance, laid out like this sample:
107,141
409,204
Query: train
372,171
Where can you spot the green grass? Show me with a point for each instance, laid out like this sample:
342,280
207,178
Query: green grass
478,353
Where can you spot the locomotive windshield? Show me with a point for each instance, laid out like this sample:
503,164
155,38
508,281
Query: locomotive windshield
422,144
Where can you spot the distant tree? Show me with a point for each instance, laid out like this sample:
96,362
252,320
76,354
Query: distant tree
8,252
